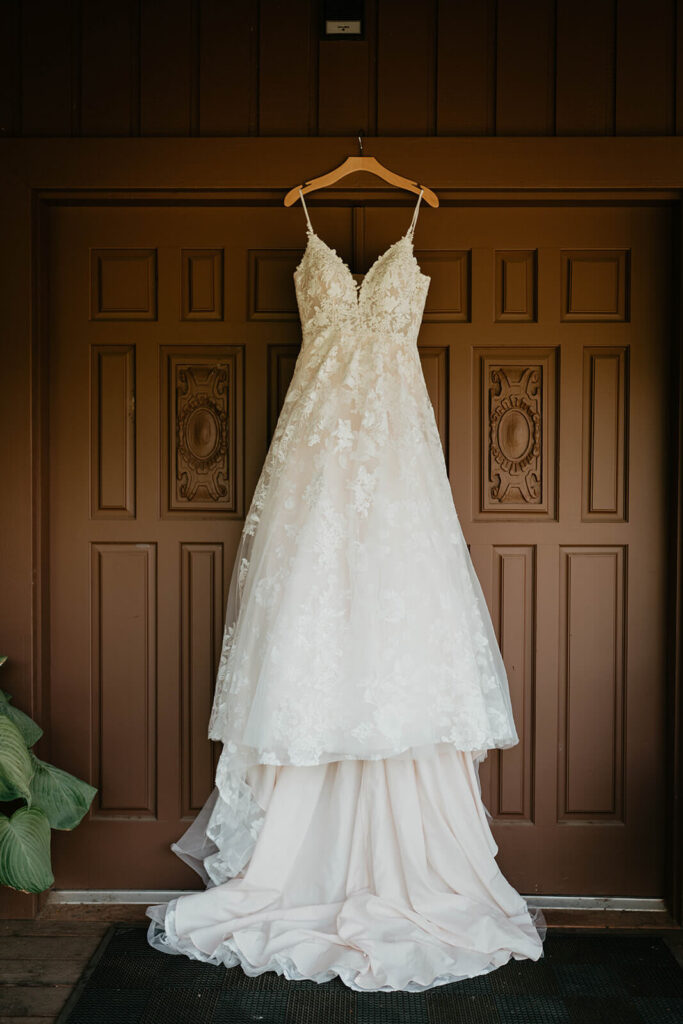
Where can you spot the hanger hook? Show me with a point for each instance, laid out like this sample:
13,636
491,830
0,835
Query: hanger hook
360,141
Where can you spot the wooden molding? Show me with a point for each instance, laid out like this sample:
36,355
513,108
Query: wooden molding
253,168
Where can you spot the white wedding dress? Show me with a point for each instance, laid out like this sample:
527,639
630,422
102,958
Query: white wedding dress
360,682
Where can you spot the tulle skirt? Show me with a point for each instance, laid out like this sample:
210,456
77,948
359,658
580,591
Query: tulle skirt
380,872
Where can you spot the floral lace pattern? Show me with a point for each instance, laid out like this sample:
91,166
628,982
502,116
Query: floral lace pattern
356,626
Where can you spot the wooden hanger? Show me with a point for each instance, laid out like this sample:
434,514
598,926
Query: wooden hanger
360,163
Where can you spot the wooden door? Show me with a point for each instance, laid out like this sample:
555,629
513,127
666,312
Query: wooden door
173,335
553,327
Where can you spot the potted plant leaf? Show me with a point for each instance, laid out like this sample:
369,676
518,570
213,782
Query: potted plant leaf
41,797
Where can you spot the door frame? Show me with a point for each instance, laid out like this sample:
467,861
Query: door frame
38,173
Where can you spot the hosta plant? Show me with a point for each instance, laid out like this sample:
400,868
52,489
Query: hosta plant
40,798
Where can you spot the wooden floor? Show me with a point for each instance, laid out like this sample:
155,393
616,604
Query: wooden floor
41,961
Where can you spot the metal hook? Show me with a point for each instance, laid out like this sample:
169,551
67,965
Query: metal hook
360,142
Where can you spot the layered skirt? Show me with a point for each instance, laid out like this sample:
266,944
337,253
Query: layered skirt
381,872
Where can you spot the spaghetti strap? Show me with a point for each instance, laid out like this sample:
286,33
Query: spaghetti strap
303,203
414,220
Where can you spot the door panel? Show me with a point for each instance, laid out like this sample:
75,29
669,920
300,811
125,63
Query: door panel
545,341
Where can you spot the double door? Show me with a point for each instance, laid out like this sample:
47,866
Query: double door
545,346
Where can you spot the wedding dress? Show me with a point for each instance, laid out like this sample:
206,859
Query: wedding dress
360,682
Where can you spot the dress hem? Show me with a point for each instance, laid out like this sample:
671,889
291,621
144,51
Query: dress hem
162,935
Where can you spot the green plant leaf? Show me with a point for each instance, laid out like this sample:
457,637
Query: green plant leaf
25,851
16,768
63,797
3,659
29,729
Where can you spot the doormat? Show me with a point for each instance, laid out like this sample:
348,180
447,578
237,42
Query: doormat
582,979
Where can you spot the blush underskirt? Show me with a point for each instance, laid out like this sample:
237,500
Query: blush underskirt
381,872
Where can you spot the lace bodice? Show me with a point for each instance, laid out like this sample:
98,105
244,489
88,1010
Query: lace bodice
388,303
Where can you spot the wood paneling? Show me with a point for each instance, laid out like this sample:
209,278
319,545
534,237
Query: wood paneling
592,682
168,44
202,284
201,587
449,295
525,68
123,284
10,70
517,442
678,59
202,67
406,100
109,68
605,433
124,644
516,287
49,94
228,68
645,72
595,285
271,296
287,68
514,618
584,102
112,440
201,403
466,68
346,85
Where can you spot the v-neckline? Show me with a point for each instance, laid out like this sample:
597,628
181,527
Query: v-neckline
358,286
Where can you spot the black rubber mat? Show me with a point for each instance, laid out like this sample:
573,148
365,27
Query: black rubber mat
582,979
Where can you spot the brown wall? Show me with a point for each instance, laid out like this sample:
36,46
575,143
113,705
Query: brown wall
434,67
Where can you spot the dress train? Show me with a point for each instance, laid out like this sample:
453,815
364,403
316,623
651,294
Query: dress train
381,872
